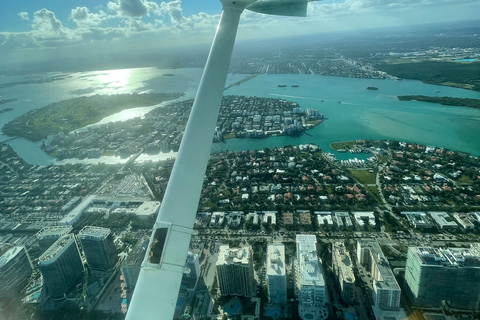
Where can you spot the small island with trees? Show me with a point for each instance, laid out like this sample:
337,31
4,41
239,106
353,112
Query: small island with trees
68,115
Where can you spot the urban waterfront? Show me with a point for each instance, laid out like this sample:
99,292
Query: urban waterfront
352,111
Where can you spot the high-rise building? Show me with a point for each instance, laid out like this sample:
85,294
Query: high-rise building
386,291
48,235
190,278
310,285
276,276
131,265
235,271
343,270
451,275
15,270
61,266
98,247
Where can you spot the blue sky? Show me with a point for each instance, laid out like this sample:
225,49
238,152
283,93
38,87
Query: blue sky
41,26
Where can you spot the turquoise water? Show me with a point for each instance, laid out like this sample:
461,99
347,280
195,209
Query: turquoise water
352,111
465,60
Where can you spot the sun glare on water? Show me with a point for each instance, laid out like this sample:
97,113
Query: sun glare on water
115,78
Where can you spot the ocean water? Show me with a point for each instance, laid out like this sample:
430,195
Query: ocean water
352,111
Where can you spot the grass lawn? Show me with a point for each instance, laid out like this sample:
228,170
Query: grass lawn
364,176
374,192
342,145
229,136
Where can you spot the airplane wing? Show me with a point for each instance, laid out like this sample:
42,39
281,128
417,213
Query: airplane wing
157,287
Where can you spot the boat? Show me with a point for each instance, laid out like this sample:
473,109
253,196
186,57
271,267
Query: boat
282,85
294,85
372,88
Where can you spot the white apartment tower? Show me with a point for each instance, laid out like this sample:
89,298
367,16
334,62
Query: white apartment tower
343,270
276,276
310,286
386,291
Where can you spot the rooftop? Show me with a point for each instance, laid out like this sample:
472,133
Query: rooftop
93,233
228,255
448,257
385,279
276,259
57,247
57,231
310,268
138,252
9,255
343,261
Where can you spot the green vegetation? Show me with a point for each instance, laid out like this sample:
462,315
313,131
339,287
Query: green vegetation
364,176
72,114
229,136
373,191
447,101
342,145
454,74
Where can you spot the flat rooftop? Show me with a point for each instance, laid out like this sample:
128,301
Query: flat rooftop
310,268
228,255
57,247
448,257
94,232
57,231
276,259
343,262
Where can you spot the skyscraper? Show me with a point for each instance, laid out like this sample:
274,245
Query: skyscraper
61,265
15,270
386,291
235,271
309,280
131,265
48,235
276,276
190,278
98,247
343,270
452,275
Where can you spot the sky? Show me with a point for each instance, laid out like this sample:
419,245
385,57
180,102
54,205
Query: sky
34,29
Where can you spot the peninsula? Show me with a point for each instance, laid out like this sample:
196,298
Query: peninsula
68,115
446,101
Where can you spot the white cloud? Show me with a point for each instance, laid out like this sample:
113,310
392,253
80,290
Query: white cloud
23,15
132,8
83,18
166,21
174,10
48,29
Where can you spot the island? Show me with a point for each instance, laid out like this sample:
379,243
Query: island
5,110
3,101
69,115
161,129
447,101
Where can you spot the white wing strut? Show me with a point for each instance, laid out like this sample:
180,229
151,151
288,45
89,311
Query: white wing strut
157,288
